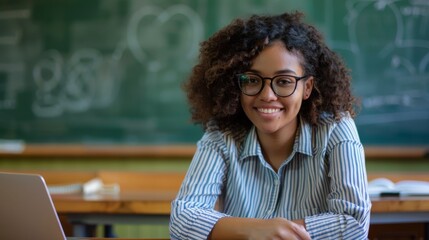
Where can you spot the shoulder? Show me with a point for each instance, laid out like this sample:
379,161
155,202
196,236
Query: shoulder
327,120
331,134
223,141
343,129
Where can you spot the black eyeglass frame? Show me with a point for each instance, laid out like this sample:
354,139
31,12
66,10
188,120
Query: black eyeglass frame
271,83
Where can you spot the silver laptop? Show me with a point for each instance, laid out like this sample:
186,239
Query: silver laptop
26,209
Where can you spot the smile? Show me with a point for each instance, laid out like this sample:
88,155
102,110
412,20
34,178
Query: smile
269,110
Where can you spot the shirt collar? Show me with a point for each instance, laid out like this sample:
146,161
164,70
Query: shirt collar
303,140
251,146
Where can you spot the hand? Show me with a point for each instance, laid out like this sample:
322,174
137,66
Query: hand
278,229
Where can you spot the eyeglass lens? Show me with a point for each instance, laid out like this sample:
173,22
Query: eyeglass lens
282,85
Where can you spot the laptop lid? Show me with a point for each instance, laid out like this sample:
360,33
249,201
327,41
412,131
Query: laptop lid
26,208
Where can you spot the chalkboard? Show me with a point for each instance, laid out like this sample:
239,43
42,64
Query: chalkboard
110,71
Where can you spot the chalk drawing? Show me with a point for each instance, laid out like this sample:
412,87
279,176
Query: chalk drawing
80,85
47,76
403,54
148,30
164,41
14,32
86,80
109,78
12,69
11,80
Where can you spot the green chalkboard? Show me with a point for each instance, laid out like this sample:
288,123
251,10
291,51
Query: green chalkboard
110,71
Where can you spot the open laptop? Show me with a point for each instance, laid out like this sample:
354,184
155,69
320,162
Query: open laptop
26,209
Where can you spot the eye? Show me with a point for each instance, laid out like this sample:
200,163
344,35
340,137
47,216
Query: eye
284,81
249,79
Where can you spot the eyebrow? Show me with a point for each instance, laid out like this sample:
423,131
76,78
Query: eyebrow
283,71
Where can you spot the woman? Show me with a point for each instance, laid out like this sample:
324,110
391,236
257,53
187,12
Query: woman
281,157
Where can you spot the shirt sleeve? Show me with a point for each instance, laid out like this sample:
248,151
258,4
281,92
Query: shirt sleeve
192,212
348,201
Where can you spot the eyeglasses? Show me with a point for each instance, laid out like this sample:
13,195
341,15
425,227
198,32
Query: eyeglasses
252,84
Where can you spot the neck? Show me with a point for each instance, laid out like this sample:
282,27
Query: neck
276,147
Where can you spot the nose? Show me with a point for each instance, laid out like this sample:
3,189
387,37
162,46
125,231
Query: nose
267,94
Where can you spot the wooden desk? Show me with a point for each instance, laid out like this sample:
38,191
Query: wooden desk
145,202
159,203
137,207
400,210
145,198
153,207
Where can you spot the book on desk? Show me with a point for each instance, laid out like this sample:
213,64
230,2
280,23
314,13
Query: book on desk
92,186
384,187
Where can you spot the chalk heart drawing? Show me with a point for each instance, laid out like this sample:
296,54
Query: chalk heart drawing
83,68
155,36
47,76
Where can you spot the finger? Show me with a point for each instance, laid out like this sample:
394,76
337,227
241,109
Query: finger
288,234
301,232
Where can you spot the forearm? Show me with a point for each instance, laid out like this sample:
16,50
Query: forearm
251,228
233,228
337,226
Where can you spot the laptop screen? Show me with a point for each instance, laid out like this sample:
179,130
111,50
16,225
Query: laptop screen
26,209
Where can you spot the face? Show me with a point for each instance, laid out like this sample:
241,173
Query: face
268,112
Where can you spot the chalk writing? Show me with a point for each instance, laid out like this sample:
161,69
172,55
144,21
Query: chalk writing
402,53
11,68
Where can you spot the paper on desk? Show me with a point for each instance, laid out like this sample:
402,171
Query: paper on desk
385,187
93,186
12,146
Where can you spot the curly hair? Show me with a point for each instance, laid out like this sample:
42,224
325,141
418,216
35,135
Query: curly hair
212,88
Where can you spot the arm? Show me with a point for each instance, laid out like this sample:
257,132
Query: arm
251,228
348,200
192,212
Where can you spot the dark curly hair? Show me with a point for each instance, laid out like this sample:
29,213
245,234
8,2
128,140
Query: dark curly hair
213,91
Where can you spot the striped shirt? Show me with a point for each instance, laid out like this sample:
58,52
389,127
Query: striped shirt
323,181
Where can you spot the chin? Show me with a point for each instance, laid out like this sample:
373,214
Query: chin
267,129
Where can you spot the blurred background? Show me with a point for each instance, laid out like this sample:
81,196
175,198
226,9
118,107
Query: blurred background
110,71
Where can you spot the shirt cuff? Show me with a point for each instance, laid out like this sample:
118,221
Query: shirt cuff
322,224
204,222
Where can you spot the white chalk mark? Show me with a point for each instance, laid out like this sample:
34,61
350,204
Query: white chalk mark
15,14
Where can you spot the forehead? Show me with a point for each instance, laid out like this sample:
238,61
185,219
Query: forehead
275,57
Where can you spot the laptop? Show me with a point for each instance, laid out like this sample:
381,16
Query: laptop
26,209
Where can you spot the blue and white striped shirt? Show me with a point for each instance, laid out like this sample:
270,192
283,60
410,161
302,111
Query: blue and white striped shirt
323,182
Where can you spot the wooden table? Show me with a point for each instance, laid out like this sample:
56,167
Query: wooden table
400,210
140,207
153,207
145,202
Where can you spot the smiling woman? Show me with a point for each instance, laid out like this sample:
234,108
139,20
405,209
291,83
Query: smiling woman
281,157
275,115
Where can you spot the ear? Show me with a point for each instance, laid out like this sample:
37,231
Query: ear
308,87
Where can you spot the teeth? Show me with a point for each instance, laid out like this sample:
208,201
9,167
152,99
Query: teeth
268,110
